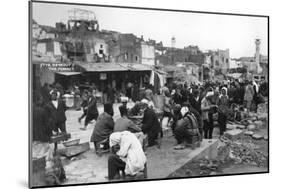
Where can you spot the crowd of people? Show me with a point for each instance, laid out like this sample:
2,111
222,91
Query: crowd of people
212,102
192,111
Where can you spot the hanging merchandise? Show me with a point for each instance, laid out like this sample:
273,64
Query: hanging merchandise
103,76
161,79
151,80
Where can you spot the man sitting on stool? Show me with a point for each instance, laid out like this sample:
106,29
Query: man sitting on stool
124,124
104,127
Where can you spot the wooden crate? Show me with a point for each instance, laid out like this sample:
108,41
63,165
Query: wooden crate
74,150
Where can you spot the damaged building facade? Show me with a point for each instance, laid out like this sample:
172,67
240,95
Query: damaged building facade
97,57
217,64
189,59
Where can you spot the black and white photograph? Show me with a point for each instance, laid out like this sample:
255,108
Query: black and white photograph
126,94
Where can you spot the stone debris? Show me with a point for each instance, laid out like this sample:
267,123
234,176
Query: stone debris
243,151
212,166
258,124
203,172
208,165
251,127
257,136
249,122
233,134
254,118
262,108
213,173
263,116
203,166
230,126
241,126
249,133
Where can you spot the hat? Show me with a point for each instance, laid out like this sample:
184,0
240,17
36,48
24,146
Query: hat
184,110
144,101
151,104
54,91
124,99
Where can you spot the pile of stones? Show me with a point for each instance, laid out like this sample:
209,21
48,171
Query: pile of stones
243,152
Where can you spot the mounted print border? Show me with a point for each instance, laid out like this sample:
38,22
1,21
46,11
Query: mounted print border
127,94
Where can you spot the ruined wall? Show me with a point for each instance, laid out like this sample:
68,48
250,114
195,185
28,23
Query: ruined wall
147,54
220,61
127,49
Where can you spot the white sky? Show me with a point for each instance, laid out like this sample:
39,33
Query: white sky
208,31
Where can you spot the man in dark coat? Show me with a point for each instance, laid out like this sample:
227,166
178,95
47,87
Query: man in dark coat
195,101
84,105
42,131
110,94
56,111
185,93
92,111
177,97
104,126
150,124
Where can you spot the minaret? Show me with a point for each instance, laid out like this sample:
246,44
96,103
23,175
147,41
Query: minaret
173,42
173,45
257,53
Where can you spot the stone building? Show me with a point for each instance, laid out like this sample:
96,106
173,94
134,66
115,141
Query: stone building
219,61
169,56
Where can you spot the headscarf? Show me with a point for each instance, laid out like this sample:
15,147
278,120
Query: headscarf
151,104
144,101
224,88
115,138
124,99
209,93
184,110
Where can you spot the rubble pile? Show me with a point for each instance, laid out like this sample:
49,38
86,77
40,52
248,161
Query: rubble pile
208,167
201,167
244,143
243,151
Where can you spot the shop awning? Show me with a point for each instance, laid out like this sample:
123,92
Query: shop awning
102,67
113,67
136,67
68,73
